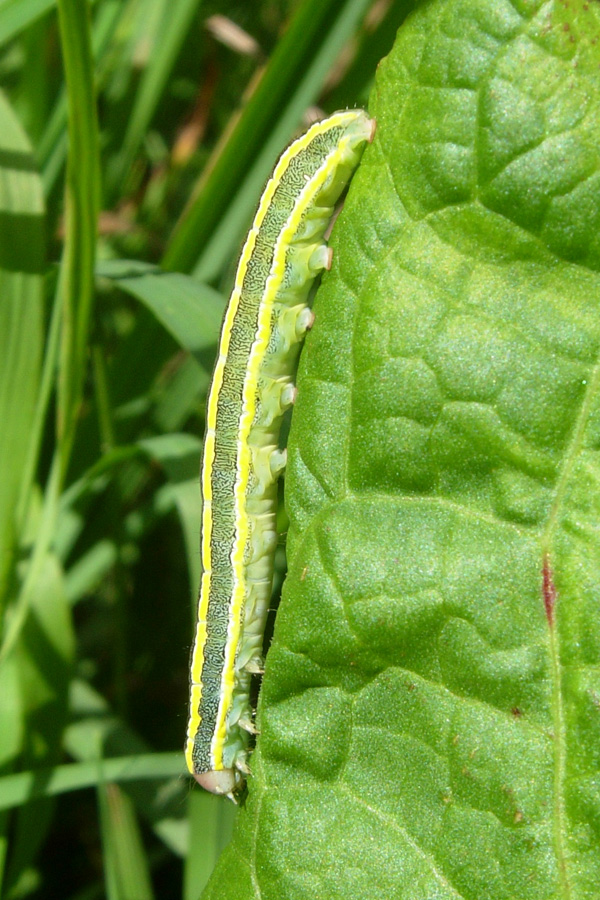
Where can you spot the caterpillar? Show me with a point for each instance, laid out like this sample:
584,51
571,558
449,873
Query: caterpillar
264,324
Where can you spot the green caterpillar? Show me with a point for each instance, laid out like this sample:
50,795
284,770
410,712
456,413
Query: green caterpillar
266,319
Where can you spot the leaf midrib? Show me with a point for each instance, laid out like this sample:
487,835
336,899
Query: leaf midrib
559,726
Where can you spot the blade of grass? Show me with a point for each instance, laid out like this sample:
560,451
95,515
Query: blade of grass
291,81
22,259
31,101
51,150
161,804
190,311
182,396
24,786
44,656
175,22
179,456
187,500
82,203
75,284
211,824
89,570
17,15
12,736
375,43
125,865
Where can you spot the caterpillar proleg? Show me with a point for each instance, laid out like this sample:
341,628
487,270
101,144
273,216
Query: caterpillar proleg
265,321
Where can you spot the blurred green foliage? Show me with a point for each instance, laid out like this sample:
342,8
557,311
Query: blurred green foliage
135,138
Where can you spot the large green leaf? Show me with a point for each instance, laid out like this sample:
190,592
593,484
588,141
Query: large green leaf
430,712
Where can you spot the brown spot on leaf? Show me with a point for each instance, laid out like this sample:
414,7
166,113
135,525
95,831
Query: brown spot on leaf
548,590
